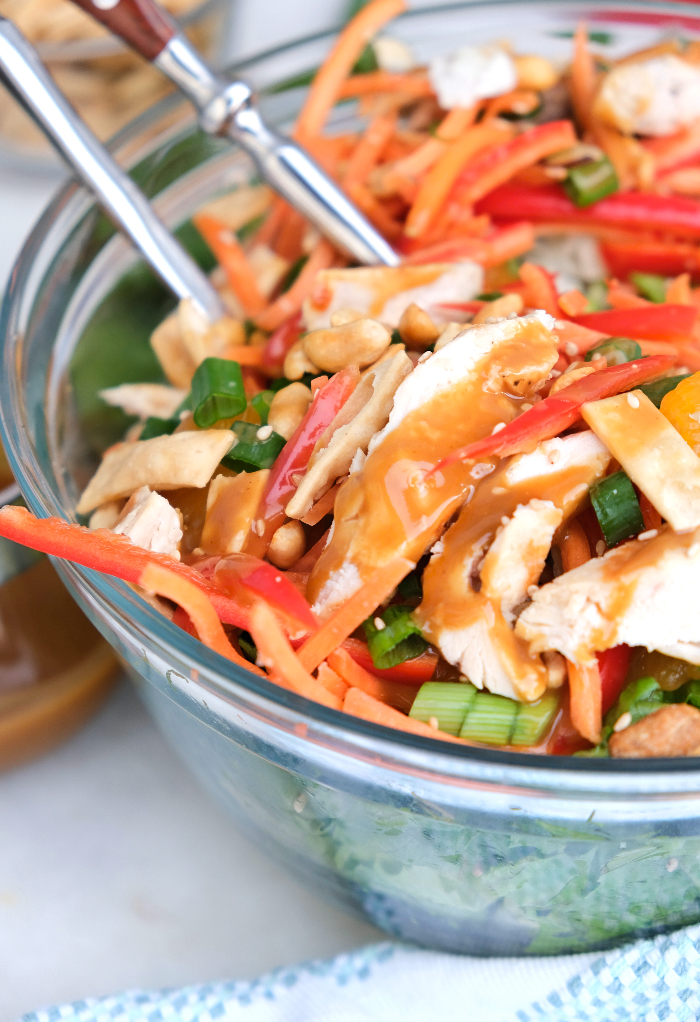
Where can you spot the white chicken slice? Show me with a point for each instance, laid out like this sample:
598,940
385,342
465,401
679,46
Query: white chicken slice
471,73
385,292
145,399
151,522
459,394
654,97
643,593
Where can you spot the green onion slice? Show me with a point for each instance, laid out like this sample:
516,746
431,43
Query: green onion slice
447,701
154,426
658,390
261,403
250,453
397,641
616,351
217,391
617,508
586,183
651,286
597,295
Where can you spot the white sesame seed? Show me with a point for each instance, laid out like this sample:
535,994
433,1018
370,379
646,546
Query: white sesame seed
433,723
600,547
480,470
504,520
633,400
561,324
498,491
525,407
672,865
498,427
649,534
297,477
554,456
571,349
259,527
622,722
264,433
555,374
379,624
184,414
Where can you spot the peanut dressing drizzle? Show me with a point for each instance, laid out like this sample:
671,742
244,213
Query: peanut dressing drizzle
450,600
387,509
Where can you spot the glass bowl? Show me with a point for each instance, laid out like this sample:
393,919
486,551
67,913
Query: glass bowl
467,850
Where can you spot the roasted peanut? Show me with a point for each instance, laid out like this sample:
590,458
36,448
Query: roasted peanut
449,332
288,408
500,307
342,316
358,343
570,376
672,730
296,362
417,329
287,545
535,73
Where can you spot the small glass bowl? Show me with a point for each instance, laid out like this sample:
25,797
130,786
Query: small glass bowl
469,850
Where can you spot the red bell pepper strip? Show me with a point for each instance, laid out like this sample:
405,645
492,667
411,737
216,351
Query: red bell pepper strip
649,323
613,665
640,211
294,457
410,672
108,552
278,344
236,573
667,258
548,418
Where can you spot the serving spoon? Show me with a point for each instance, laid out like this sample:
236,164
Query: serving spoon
228,109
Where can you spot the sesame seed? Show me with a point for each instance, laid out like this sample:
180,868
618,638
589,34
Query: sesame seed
498,491
633,401
379,624
498,427
525,407
571,349
504,520
433,723
481,469
264,433
622,722
649,534
600,547
561,324
555,374
297,477
554,456
259,527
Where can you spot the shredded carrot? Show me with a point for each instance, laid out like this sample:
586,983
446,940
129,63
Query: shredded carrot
275,653
686,354
573,303
197,606
306,563
322,507
622,296
540,292
332,681
369,148
518,101
232,258
359,704
574,546
272,223
353,612
585,695
244,354
290,235
652,518
678,290
415,85
373,210
456,122
684,181
348,47
289,303
439,180
583,77
582,336
397,694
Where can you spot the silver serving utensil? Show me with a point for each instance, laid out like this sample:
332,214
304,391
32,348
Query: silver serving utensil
228,108
23,73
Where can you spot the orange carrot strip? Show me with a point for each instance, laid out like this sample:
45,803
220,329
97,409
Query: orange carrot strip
384,81
582,336
322,507
353,612
583,77
678,290
232,258
574,547
244,354
621,296
359,704
394,693
197,606
280,659
370,148
290,235
337,66
573,303
685,354
332,681
585,695
518,101
437,183
306,563
373,210
652,518
540,292
288,304
270,226
456,122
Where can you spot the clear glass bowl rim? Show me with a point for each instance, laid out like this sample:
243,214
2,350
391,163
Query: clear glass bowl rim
448,761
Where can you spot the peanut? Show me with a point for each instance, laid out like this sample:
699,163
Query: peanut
358,343
417,328
500,307
288,408
570,376
535,73
342,316
287,545
449,332
296,362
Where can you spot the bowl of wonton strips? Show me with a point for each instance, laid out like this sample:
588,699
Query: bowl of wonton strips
402,560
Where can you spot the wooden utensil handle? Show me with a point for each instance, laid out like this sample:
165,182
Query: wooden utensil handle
143,24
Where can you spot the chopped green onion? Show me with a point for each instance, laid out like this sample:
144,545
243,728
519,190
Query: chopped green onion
281,382
217,391
158,427
490,719
522,115
651,286
489,296
248,647
586,183
398,640
658,390
617,508
366,62
261,403
293,272
597,296
396,337
250,453
410,587
533,720
616,351
447,701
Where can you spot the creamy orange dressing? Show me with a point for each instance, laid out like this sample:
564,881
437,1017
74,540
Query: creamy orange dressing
389,509
451,601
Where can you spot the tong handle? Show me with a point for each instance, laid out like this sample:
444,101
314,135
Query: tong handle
143,24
